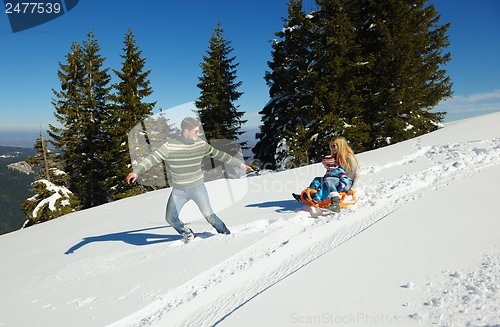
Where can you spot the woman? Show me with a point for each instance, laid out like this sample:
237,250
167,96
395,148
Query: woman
345,158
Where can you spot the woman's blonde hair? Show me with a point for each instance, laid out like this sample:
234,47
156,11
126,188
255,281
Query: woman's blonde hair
343,152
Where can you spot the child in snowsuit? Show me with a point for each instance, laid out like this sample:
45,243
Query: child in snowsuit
334,170
318,184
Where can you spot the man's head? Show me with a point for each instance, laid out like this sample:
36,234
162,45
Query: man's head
190,128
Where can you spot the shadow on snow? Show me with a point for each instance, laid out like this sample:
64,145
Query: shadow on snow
281,206
134,237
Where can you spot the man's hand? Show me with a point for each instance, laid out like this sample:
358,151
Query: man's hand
131,178
246,167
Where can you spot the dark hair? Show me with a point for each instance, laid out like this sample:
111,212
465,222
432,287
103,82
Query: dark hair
189,123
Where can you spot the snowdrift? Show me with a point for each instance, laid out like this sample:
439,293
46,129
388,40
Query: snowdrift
421,246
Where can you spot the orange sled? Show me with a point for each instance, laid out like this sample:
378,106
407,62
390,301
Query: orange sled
345,200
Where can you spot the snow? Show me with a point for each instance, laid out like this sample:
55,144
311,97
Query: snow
421,247
21,166
57,193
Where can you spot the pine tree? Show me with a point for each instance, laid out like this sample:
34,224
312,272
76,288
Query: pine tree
53,199
335,77
405,43
145,137
81,107
128,110
96,94
373,73
289,111
219,115
45,160
300,143
70,111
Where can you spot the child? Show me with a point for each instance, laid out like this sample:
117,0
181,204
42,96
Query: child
334,170
320,190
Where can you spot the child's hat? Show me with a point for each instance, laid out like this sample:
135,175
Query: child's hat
328,161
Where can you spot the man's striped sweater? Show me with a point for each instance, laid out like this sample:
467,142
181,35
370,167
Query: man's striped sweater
184,158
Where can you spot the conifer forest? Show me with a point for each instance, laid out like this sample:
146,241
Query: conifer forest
371,71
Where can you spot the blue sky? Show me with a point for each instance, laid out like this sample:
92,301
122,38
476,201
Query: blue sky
174,36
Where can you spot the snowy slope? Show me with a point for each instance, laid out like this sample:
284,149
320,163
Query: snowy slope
421,246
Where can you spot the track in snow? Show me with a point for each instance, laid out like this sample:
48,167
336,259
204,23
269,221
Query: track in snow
294,240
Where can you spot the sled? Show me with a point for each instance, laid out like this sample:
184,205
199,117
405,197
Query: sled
345,200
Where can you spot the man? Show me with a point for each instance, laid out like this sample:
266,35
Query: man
184,156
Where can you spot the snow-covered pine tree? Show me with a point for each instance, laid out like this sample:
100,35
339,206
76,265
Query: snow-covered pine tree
145,137
374,74
52,198
289,109
127,110
81,107
334,77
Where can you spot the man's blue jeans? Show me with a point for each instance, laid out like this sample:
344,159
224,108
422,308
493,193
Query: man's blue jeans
177,200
